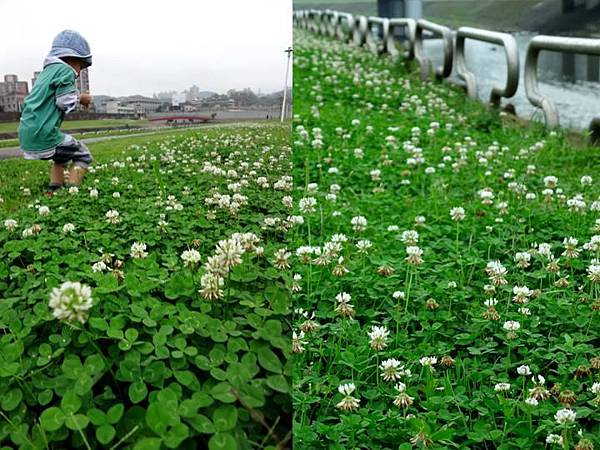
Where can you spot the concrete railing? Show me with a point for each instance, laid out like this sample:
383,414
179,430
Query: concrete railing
378,34
344,26
512,62
411,27
359,36
556,44
445,69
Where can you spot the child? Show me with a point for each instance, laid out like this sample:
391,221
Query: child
54,95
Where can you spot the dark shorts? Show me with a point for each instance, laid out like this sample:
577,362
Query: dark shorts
71,150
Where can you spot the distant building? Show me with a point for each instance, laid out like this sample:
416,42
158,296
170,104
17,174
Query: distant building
36,74
12,93
140,104
115,107
192,94
100,101
83,81
177,99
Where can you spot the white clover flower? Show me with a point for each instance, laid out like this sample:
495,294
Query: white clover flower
410,237
457,214
190,257
496,272
359,223
565,416
68,228
554,439
10,224
100,266
595,389
43,210
522,294
138,250
229,252
522,259
398,295
298,342
414,254
501,387
550,182
511,325
307,205
378,337
524,370
390,369
490,302
348,403
71,301
531,401
593,271
94,193
211,286
400,387
586,180
363,245
428,361
112,216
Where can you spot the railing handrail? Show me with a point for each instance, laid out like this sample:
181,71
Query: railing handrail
410,25
445,69
360,30
325,21
585,46
511,50
377,46
338,26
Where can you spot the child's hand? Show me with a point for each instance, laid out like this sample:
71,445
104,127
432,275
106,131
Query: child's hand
85,99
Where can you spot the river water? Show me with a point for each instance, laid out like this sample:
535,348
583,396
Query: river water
565,79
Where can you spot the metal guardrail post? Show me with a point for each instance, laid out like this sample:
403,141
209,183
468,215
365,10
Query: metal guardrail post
556,44
375,43
410,25
512,62
325,19
313,20
359,35
445,69
344,35
332,21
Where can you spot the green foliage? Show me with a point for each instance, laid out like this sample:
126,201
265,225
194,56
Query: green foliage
391,149
156,365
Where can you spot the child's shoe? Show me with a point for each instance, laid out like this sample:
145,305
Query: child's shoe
52,188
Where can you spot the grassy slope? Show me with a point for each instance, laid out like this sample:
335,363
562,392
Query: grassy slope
319,373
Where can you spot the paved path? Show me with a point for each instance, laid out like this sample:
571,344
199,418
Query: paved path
15,152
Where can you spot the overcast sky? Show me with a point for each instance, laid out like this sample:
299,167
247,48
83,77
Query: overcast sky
147,46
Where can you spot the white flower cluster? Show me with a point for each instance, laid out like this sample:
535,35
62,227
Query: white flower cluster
71,301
